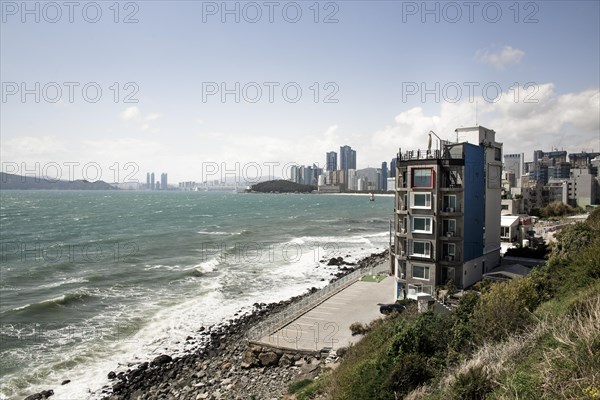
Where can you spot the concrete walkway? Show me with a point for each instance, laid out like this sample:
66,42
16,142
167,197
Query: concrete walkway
328,324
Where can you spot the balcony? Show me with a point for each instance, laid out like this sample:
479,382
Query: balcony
401,232
415,290
451,187
449,259
402,209
451,235
451,211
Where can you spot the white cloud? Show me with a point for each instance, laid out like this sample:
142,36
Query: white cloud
143,121
500,59
152,117
131,113
568,121
43,148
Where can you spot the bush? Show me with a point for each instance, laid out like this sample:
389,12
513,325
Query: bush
556,209
299,385
358,329
472,385
410,372
505,308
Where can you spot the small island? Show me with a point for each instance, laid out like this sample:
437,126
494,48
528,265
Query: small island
281,186
18,182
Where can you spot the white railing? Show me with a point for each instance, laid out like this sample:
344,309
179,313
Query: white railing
275,322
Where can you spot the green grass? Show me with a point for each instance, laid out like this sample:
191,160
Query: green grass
307,389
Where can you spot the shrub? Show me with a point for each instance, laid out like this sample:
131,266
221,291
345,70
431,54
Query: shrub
505,308
299,385
472,385
411,371
358,329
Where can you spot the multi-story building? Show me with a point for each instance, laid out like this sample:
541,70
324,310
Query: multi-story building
331,161
447,213
347,158
582,160
579,190
163,181
152,182
515,163
384,176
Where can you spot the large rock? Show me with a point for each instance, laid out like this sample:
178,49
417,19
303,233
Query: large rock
162,359
268,358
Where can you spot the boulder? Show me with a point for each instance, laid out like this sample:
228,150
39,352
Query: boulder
268,358
162,359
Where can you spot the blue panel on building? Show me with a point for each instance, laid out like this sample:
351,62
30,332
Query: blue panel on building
474,201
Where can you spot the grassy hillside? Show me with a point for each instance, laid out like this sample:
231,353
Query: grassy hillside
537,337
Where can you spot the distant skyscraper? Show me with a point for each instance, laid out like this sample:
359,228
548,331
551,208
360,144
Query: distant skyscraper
148,181
153,182
392,168
347,158
331,163
163,181
384,176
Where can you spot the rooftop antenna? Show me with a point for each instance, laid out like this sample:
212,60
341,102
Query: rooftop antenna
476,112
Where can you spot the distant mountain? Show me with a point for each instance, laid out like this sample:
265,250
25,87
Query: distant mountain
281,186
12,182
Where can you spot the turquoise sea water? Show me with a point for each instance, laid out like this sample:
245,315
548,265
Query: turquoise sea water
94,280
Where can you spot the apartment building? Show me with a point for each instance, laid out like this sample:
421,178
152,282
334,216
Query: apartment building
447,213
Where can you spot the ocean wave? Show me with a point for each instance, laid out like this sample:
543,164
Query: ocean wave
56,302
64,281
214,233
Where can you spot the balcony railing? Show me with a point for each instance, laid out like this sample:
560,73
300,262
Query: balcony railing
450,210
414,290
451,258
451,234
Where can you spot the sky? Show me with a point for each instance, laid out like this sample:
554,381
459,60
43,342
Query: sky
200,90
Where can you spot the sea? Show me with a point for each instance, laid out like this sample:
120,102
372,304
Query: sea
93,281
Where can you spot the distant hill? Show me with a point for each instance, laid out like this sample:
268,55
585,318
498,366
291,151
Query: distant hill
281,186
13,182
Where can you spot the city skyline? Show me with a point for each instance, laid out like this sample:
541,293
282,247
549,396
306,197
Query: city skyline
201,109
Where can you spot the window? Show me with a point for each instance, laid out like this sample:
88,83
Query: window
421,200
422,178
505,231
447,274
450,226
421,225
420,272
449,250
449,203
504,206
497,154
421,249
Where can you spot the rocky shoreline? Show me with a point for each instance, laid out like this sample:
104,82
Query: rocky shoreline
220,364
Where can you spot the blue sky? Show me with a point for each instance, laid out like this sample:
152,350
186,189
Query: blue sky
367,61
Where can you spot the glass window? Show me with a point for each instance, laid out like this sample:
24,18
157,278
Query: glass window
421,200
449,226
449,203
421,249
505,231
421,225
420,272
450,249
422,177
